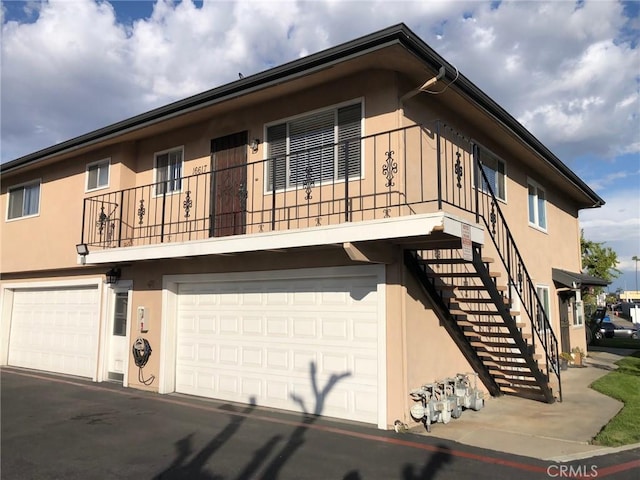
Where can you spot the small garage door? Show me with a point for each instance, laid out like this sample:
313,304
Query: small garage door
303,344
55,329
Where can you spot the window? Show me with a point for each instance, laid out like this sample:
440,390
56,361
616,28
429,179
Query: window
317,147
578,317
537,206
494,169
98,175
24,201
169,171
120,314
543,295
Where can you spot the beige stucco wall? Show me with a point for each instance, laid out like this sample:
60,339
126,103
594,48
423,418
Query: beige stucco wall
418,348
63,186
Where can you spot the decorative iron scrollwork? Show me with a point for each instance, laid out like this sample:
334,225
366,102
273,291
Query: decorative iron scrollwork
102,220
493,217
387,211
519,276
318,221
187,204
141,212
308,183
390,168
459,170
243,193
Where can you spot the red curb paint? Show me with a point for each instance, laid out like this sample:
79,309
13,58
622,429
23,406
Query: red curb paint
603,472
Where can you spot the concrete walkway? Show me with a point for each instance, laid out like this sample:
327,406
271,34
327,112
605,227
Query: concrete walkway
558,432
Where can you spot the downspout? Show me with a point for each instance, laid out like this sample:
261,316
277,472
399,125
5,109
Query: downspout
412,93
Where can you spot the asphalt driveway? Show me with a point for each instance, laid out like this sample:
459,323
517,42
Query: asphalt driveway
57,427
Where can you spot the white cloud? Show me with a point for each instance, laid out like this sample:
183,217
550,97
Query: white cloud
556,67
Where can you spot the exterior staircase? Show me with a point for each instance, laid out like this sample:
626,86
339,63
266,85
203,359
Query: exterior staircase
474,304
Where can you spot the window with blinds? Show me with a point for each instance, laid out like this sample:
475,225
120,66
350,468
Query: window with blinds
169,171
495,171
24,201
321,147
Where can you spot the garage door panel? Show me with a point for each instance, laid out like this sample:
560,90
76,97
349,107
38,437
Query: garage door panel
55,330
297,344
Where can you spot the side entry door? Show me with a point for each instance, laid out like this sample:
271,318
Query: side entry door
228,185
118,349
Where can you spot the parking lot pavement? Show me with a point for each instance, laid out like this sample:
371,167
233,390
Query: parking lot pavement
59,427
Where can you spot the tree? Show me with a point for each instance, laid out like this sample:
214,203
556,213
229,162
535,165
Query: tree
598,260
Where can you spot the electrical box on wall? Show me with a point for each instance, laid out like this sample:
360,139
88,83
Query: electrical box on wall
143,326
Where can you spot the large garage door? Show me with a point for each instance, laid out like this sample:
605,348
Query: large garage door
298,344
55,329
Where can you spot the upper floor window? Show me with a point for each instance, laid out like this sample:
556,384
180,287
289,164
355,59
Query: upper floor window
537,205
98,175
168,166
315,148
24,200
495,171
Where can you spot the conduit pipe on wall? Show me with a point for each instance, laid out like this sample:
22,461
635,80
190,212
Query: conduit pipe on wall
416,91
424,86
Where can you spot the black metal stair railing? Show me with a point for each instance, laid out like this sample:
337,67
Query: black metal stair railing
405,171
486,208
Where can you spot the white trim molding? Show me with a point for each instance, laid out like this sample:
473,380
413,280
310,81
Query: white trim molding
386,229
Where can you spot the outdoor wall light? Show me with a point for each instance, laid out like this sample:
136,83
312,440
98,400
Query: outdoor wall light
254,145
113,275
82,249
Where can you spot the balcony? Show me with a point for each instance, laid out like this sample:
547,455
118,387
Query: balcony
419,187
392,175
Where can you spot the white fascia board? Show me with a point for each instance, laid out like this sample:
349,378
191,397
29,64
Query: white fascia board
385,229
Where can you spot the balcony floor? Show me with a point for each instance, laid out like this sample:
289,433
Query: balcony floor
410,231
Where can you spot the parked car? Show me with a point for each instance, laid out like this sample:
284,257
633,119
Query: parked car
611,330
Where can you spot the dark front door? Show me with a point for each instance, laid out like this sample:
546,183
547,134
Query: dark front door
564,300
229,185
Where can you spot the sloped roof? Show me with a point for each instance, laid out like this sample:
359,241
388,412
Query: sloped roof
576,280
397,34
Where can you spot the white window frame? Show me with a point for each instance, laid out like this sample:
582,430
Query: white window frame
578,313
536,206
293,118
547,307
23,186
99,163
483,154
156,178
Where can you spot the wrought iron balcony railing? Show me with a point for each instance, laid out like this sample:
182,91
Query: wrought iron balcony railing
411,170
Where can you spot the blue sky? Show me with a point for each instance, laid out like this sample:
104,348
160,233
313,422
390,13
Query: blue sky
569,71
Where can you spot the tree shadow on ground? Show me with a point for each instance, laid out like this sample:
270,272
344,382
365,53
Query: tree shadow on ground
296,439
195,468
184,467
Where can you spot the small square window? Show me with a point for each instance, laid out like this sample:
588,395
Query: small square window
98,175
24,201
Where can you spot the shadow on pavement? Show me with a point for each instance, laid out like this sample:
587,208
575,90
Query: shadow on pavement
196,468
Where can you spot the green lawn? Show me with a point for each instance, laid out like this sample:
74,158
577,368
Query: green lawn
622,384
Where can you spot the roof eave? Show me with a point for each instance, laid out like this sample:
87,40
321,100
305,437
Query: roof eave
399,33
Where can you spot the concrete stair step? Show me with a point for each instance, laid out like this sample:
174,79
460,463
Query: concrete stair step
497,355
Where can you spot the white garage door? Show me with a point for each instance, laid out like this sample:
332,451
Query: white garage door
55,329
303,344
